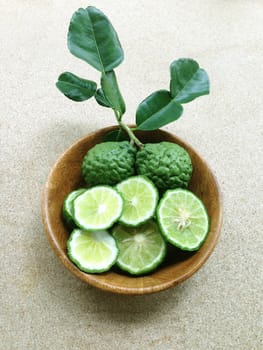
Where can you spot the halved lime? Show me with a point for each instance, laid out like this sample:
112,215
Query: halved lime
140,200
67,209
141,249
92,252
183,219
98,208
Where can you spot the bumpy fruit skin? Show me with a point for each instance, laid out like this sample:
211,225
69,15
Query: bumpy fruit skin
108,163
167,164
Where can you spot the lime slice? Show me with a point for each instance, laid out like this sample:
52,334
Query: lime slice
183,219
141,249
140,200
92,252
67,209
97,208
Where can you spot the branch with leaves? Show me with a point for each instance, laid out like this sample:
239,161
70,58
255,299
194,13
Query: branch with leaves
92,38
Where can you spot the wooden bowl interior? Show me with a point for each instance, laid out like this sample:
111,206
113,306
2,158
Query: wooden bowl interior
65,177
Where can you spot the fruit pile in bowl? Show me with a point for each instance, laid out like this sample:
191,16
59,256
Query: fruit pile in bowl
130,209
120,219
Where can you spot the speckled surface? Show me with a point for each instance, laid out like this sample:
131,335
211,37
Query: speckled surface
42,305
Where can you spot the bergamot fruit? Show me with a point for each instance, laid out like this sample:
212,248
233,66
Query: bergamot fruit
167,164
108,163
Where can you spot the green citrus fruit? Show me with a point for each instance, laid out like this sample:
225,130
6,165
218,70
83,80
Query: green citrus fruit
141,248
183,219
67,209
167,164
98,208
140,200
108,163
92,252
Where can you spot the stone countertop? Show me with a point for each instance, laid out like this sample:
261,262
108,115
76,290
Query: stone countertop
43,306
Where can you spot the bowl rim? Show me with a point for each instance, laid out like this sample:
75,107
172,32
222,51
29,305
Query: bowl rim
92,278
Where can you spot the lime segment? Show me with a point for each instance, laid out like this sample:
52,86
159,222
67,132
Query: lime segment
140,200
67,209
141,249
183,219
97,208
92,252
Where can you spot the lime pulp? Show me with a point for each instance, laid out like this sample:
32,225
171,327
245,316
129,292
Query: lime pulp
140,200
92,252
183,219
141,249
98,208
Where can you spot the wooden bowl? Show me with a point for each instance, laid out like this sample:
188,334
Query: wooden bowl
65,176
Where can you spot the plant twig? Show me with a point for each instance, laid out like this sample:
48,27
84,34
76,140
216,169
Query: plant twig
130,133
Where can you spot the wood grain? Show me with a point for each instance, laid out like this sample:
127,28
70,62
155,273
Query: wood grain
65,176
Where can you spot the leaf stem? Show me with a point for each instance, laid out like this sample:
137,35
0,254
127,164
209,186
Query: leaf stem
130,133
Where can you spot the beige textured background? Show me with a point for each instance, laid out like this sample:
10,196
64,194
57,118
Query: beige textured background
42,305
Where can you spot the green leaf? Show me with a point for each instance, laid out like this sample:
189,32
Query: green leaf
101,99
92,38
112,93
188,81
157,110
75,88
116,135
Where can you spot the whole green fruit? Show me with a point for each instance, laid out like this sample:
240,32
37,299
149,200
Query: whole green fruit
167,164
108,163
